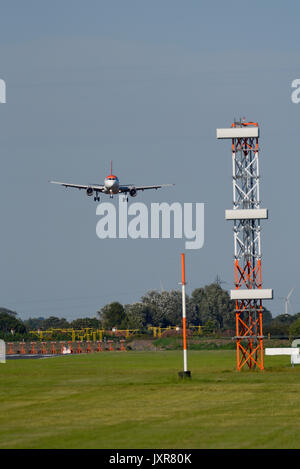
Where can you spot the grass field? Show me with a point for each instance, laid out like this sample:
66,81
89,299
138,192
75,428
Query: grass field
135,400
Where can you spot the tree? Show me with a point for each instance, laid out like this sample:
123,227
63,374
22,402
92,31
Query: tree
267,316
280,325
54,322
276,328
284,319
212,303
139,315
83,323
113,315
209,327
167,307
8,311
153,299
34,323
294,330
9,322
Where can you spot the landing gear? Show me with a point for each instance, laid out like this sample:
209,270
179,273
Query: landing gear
97,198
125,198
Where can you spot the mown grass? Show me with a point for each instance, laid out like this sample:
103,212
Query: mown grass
136,400
195,343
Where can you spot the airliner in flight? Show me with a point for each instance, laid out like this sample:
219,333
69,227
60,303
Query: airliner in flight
110,187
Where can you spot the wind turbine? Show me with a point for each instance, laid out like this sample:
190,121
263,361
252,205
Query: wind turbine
218,280
287,301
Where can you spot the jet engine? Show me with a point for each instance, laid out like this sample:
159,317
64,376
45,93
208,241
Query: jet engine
133,192
89,191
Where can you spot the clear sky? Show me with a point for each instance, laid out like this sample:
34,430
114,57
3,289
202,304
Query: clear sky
146,84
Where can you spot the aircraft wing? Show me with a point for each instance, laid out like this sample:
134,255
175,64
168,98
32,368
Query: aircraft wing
95,187
142,188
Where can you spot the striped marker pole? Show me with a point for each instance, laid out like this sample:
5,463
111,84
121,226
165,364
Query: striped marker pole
185,372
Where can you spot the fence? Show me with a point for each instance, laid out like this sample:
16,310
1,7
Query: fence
63,347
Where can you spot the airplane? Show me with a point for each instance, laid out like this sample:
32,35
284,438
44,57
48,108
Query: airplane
110,187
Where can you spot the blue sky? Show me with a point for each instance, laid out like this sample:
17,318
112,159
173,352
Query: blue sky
198,25
145,84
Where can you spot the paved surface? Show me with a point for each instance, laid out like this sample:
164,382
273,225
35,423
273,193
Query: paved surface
19,356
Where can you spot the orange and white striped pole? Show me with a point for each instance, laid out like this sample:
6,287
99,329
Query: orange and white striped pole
183,283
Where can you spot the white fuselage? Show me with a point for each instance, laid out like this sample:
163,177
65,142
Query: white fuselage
111,184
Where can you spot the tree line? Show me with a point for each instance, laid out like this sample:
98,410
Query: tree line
209,306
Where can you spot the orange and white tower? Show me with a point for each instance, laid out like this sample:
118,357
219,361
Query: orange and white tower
247,215
185,372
